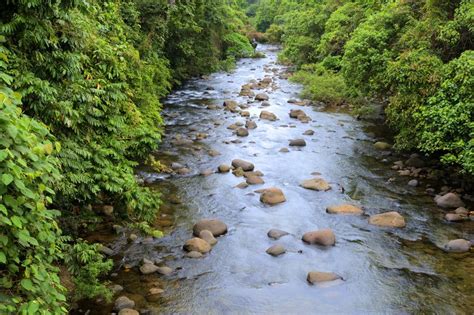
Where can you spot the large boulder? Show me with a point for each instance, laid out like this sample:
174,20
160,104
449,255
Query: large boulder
450,200
272,196
388,219
324,237
198,245
315,277
244,165
216,227
344,209
318,184
458,246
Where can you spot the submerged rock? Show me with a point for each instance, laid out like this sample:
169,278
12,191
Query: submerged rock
194,254
318,184
458,246
284,150
324,237
198,245
123,302
450,200
272,196
344,209
166,271
276,250
128,311
315,277
383,146
308,132
455,217
388,219
276,234
148,268
216,227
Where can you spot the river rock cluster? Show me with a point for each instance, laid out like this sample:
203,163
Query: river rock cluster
205,232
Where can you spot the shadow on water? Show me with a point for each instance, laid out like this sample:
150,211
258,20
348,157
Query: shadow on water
385,270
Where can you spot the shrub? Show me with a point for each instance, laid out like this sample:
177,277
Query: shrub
29,236
446,122
321,85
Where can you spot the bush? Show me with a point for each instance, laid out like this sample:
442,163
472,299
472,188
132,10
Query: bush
446,122
237,46
29,236
411,80
321,85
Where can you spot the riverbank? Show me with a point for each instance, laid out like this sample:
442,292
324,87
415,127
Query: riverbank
384,269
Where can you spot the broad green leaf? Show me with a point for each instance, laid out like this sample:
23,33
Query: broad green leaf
27,284
3,155
3,258
16,221
7,179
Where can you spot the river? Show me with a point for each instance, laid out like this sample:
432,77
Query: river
385,271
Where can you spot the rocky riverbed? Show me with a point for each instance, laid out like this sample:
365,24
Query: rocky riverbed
275,205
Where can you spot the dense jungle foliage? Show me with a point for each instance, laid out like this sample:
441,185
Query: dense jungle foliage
414,56
80,89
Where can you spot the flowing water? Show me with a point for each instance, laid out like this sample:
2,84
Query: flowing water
385,271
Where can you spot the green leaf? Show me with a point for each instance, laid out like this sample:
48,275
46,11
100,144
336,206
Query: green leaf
3,209
27,284
16,221
7,179
12,131
33,307
3,258
3,155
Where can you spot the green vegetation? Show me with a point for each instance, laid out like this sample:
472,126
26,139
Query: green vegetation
80,89
414,56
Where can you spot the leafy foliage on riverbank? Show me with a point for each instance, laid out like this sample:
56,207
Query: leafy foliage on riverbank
415,56
80,89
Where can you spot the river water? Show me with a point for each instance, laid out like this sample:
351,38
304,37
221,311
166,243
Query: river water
386,271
